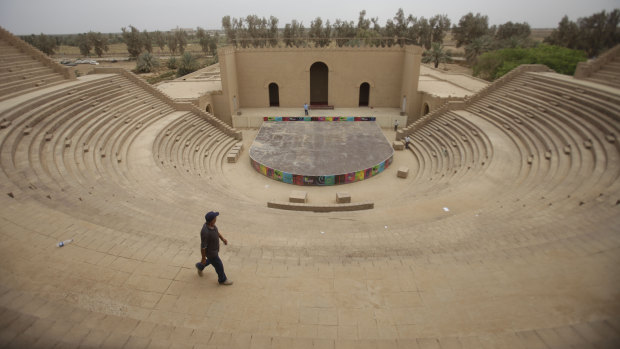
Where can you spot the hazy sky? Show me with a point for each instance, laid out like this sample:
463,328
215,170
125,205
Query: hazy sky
77,16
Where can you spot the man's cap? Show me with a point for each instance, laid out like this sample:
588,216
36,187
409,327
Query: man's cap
210,215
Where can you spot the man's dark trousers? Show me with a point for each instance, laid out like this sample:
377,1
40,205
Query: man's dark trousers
217,264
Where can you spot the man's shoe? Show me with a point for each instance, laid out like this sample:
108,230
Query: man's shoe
198,269
227,282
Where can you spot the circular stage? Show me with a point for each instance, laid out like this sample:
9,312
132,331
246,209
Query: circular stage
326,151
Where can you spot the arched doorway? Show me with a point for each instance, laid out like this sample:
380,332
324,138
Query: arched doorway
427,109
274,95
364,94
209,109
318,83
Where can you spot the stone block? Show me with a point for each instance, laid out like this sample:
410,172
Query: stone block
342,197
231,157
403,172
298,196
398,145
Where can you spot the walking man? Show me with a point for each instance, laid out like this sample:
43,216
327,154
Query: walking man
407,140
210,247
395,125
306,108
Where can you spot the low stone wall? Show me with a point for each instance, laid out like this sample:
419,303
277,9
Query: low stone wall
188,106
321,208
586,69
35,53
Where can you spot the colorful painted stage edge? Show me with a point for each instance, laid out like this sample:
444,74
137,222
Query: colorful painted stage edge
326,180
319,118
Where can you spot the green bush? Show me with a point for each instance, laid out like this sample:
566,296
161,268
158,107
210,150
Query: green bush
146,63
172,63
187,64
493,65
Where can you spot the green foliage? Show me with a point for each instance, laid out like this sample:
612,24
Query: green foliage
593,34
436,55
470,27
493,65
187,64
146,63
477,47
173,44
206,41
294,34
98,41
44,43
171,63
510,30
319,34
84,44
147,41
181,40
133,40
160,39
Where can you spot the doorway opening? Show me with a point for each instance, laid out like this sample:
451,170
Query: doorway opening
364,94
319,83
274,95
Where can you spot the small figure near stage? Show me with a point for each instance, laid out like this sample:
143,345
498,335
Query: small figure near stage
306,108
407,141
210,247
395,125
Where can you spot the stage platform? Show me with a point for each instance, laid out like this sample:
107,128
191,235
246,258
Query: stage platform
320,152
253,117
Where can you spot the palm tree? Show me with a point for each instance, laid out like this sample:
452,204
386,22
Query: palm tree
436,55
477,47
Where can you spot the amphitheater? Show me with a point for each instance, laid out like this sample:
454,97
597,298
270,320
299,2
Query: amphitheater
505,234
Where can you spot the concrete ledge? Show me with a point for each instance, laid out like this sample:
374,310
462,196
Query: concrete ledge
298,196
321,208
398,145
343,197
403,172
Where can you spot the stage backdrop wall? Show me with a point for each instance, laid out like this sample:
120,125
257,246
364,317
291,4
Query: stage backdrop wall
392,74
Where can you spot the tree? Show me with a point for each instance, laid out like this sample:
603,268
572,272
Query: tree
566,34
84,44
440,24
436,55
187,64
146,63
181,38
44,43
477,47
470,27
599,32
133,40
363,31
273,31
160,39
294,34
229,30
172,43
318,33
510,30
147,41
99,42
344,32
593,34
203,39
